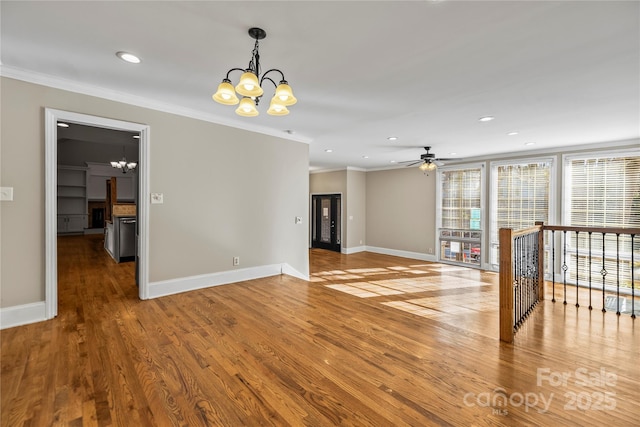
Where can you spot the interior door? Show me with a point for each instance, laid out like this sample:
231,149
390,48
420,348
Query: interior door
326,229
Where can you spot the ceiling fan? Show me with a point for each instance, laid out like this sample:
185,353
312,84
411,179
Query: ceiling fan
428,161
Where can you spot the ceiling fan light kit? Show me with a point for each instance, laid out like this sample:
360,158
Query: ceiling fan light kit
428,161
250,86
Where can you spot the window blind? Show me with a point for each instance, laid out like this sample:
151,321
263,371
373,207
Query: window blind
520,194
604,191
461,192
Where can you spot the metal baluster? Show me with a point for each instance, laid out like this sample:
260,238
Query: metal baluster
618,274
523,279
528,273
518,282
633,295
577,268
532,274
515,282
603,273
553,265
590,306
539,274
534,239
564,267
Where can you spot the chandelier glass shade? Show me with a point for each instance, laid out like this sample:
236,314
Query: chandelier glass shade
427,166
123,164
250,86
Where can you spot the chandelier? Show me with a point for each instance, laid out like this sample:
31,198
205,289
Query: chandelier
250,86
123,164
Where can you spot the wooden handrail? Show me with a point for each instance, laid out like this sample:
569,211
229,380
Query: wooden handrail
529,230
510,279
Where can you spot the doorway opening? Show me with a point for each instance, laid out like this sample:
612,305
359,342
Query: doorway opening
326,229
52,117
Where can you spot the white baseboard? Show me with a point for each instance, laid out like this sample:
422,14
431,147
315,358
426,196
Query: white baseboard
403,254
19,315
290,271
184,284
354,250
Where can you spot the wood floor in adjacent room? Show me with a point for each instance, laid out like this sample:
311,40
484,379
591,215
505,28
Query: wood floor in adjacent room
371,340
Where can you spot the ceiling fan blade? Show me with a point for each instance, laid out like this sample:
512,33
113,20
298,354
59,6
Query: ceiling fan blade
413,162
409,161
441,159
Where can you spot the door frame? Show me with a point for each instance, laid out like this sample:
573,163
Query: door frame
311,213
51,118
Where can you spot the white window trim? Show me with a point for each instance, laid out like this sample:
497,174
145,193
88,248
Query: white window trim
493,199
483,198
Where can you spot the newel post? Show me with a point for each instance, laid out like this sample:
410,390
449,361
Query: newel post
506,285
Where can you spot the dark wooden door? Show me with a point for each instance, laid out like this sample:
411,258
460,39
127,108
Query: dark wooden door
326,228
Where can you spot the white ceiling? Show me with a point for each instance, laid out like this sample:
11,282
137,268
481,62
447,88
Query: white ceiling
558,72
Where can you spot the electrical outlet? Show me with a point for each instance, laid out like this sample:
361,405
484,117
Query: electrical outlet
236,260
430,250
6,194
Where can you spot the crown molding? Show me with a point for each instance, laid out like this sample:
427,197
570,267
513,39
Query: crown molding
138,101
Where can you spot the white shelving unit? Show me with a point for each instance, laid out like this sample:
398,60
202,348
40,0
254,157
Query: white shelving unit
72,199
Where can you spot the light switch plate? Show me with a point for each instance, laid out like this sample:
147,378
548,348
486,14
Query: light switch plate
157,198
6,194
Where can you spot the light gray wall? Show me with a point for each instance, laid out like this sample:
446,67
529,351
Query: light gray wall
227,192
400,210
356,208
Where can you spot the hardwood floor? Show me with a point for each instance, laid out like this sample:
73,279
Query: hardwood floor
370,340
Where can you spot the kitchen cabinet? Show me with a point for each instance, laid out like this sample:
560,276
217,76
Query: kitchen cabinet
71,223
72,199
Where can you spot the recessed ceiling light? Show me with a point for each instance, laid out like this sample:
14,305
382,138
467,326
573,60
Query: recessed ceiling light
63,125
392,161
512,133
128,57
393,138
328,150
452,154
529,143
365,157
486,118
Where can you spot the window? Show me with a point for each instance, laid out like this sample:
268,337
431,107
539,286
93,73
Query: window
460,202
602,191
520,194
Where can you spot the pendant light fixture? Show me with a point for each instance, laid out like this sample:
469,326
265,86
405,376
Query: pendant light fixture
123,164
250,86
